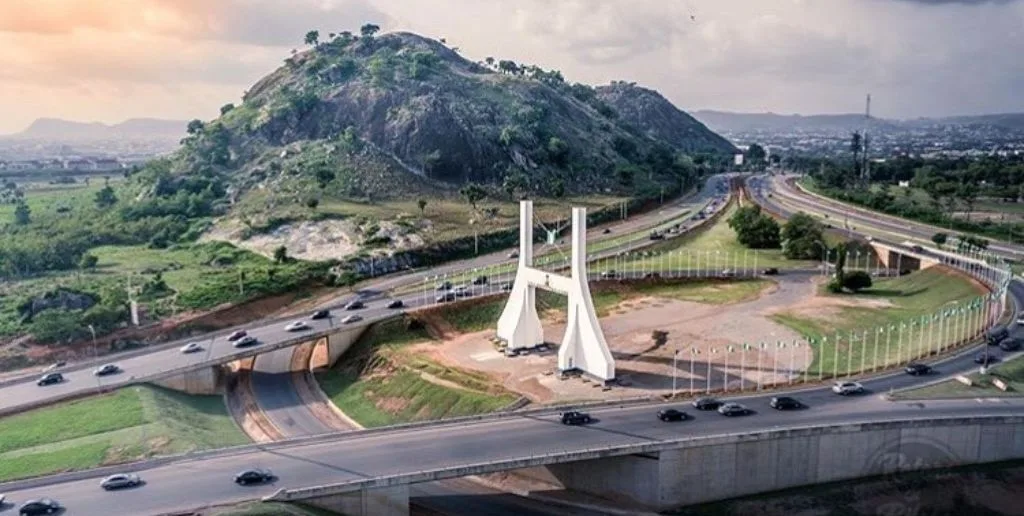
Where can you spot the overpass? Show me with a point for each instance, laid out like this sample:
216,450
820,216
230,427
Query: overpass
901,258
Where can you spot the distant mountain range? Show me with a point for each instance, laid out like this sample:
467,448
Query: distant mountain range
724,121
56,129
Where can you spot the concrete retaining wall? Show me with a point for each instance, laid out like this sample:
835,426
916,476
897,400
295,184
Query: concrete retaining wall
329,349
391,501
207,380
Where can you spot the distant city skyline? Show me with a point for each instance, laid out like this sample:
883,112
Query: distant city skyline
111,60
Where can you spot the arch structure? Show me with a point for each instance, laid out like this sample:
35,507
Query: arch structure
583,347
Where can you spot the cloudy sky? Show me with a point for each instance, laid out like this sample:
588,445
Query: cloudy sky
108,60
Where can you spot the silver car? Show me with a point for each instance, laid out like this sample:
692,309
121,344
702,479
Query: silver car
121,481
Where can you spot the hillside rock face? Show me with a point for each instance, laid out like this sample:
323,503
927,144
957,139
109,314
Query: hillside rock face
656,117
398,114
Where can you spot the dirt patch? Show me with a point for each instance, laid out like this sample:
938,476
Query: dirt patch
818,306
389,405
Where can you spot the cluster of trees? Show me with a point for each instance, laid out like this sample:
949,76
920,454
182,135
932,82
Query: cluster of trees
754,229
854,281
803,238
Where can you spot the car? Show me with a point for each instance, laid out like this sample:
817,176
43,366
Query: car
733,409
917,249
785,403
984,358
351,319
237,334
506,287
320,314
462,291
246,341
706,404
656,236
54,366
728,273
297,326
480,280
3,500
513,254
50,379
106,369
445,298
443,287
1010,344
121,481
652,275
39,506
397,303
254,476
1020,319
355,305
609,274
672,415
916,368
191,347
996,334
770,271
575,417
846,388
606,231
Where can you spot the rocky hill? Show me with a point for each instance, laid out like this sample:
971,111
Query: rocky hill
656,117
397,114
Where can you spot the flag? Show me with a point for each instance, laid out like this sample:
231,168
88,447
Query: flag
746,346
730,349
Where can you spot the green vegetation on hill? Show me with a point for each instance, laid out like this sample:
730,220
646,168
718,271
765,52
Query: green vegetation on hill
126,425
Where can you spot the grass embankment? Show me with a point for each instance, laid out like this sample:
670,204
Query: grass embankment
381,383
891,304
713,247
1011,373
126,425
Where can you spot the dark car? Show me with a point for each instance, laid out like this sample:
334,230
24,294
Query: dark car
706,404
915,369
672,415
254,476
235,335
355,305
320,314
985,359
107,369
609,274
398,303
656,236
575,417
121,481
770,271
447,297
246,342
652,275
50,379
40,506
480,280
996,335
442,287
917,249
733,409
506,287
606,231
785,403
1010,344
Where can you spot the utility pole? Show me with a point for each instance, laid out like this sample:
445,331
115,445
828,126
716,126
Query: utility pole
864,154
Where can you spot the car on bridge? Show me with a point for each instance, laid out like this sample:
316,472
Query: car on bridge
1011,344
50,379
355,305
847,388
397,303
480,280
320,314
609,274
706,404
352,319
237,334
785,403
106,370
55,366
299,325
191,347
246,341
254,476
916,368
39,506
121,481
447,297
985,358
672,415
733,409
575,417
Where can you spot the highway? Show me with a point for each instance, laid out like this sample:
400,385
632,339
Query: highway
349,457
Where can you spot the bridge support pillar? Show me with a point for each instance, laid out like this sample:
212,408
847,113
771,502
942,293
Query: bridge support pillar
387,501
207,380
328,350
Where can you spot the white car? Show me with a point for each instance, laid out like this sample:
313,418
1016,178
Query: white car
191,347
1020,319
297,326
351,319
845,388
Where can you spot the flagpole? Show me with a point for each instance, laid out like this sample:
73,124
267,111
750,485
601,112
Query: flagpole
743,366
693,358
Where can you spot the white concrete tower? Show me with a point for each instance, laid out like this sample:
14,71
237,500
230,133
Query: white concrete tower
583,346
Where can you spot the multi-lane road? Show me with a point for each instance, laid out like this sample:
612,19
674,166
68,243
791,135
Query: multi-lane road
355,456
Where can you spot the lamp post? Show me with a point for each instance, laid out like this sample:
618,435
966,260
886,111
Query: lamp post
675,361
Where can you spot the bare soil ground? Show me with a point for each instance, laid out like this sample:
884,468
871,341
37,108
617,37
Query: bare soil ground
642,362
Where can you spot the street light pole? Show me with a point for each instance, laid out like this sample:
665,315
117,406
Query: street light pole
675,360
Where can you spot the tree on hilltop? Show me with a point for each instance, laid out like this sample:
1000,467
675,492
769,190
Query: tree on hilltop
313,38
369,30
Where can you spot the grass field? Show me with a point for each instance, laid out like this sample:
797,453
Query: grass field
126,425
889,313
271,509
43,200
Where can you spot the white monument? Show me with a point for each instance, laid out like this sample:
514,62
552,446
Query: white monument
583,346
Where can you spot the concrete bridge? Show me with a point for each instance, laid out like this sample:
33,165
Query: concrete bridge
903,258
